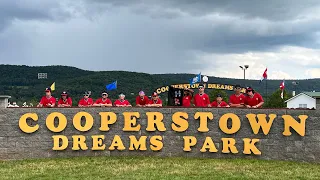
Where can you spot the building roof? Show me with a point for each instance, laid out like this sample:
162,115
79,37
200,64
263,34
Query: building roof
4,96
303,93
313,94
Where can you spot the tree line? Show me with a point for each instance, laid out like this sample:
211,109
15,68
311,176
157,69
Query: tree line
22,83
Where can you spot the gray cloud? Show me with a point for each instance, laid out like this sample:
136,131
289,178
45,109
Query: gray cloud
235,26
31,10
271,9
151,36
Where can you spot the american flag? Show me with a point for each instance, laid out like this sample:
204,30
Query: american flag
264,75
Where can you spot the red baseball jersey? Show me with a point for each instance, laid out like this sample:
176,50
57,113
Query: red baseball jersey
67,101
201,100
158,101
118,102
45,101
186,101
87,102
216,104
143,101
234,99
101,101
256,99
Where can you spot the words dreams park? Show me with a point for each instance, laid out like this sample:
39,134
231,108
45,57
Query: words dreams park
229,123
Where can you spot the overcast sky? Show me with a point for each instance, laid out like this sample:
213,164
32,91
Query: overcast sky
213,37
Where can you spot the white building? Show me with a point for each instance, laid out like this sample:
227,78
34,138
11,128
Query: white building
308,100
4,101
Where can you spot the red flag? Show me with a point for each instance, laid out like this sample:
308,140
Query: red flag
282,86
264,75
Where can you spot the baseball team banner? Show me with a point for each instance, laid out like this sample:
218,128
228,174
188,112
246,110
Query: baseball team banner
195,86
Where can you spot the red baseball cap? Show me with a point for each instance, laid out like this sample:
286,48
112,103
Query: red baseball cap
249,89
154,94
48,89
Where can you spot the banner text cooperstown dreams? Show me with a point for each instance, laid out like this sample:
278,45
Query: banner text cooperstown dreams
195,86
229,124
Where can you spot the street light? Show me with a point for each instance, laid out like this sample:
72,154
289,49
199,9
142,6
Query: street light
244,70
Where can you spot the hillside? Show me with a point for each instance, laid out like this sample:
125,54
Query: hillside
22,83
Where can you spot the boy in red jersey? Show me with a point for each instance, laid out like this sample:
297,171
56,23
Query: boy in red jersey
155,101
65,100
86,101
201,99
187,97
253,99
47,100
219,102
121,102
237,99
142,100
104,101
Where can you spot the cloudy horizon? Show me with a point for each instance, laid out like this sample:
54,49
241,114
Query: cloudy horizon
185,36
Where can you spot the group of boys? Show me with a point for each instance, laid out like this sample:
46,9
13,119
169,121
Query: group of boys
252,99
65,101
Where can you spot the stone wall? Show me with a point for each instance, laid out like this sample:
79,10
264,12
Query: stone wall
15,144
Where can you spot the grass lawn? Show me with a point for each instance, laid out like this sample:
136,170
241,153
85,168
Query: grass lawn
156,168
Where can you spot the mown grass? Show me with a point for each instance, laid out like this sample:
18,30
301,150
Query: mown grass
156,168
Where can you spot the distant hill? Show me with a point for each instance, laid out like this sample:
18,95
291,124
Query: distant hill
22,83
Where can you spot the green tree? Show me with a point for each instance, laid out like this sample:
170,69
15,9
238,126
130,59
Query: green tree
213,94
275,100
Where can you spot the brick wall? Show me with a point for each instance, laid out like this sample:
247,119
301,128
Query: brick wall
15,144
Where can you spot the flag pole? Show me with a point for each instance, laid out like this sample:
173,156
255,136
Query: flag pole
266,90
